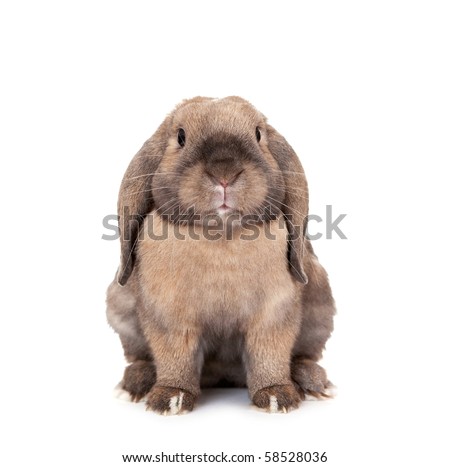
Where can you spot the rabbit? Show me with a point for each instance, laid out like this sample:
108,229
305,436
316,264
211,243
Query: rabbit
218,284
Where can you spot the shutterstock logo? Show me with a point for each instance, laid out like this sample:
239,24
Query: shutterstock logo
215,227
330,225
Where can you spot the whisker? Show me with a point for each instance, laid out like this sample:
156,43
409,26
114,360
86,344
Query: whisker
151,173
295,191
291,190
148,190
291,172
174,204
139,156
289,207
300,195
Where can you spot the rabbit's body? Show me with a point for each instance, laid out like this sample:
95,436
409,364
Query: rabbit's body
217,302
219,288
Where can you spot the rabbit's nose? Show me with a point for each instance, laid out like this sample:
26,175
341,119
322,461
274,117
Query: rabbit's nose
224,181
232,178
218,180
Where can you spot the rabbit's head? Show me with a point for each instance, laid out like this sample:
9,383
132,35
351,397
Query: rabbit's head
214,157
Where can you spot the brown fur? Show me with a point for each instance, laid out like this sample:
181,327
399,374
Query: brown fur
218,302
138,379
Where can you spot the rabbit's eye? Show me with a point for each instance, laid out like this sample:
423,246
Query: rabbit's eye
258,134
181,137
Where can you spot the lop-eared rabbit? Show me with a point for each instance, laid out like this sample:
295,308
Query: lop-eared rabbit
217,284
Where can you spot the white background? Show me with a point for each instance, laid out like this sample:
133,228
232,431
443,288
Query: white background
360,89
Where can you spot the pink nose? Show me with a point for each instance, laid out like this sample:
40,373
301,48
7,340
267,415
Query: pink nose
224,183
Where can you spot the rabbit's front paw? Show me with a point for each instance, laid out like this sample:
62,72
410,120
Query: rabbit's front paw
311,378
138,379
282,398
170,401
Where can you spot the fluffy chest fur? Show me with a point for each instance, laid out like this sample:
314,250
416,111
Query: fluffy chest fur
193,278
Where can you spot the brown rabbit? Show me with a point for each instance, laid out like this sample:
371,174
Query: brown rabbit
217,283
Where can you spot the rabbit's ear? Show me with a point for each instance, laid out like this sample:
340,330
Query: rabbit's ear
136,199
295,203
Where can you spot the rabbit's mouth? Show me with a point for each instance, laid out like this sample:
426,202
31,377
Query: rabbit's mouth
224,209
224,199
